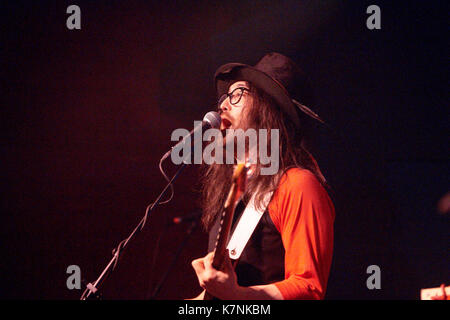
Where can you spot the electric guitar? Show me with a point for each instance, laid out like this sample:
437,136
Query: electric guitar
237,190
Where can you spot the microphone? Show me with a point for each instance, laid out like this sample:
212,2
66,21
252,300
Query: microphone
188,217
211,120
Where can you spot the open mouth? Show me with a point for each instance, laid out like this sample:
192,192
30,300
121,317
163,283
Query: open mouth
225,124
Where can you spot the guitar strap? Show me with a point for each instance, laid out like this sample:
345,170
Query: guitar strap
245,226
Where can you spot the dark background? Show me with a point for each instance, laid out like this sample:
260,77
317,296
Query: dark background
87,114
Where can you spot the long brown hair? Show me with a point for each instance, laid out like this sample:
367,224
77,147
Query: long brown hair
262,113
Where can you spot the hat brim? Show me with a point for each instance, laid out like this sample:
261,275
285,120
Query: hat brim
229,73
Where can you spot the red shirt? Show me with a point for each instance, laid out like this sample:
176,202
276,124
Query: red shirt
304,215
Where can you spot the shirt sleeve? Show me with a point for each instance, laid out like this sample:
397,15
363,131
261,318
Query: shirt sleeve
304,215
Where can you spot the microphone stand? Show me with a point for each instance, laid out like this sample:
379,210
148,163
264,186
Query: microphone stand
211,119
93,288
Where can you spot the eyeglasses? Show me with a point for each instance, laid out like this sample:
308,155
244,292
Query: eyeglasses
235,96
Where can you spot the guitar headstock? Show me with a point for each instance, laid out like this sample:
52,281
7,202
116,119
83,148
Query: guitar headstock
240,176
239,182
239,171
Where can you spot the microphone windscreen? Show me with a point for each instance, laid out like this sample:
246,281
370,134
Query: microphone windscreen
213,118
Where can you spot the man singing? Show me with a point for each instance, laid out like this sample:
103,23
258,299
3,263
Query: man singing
289,253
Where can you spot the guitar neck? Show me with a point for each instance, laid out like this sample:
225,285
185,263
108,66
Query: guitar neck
224,231
236,191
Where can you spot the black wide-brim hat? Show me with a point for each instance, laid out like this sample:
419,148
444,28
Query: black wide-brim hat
275,74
